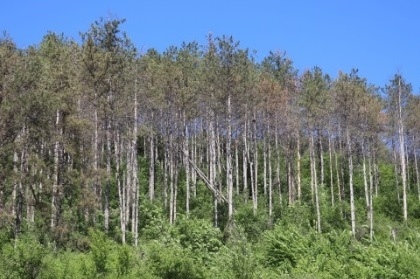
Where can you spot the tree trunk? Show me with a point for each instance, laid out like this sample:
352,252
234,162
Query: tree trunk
278,181
245,154
237,167
402,152
365,181
264,165
121,192
212,162
298,174
229,177
370,207
108,175
270,182
55,175
151,166
331,168
397,180
171,180
96,184
321,159
352,205
187,167
255,184
416,167
314,182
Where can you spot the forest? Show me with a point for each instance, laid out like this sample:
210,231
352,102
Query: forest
201,162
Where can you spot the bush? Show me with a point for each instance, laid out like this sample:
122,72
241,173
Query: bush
173,262
25,260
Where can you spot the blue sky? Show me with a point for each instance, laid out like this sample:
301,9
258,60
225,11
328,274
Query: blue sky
380,38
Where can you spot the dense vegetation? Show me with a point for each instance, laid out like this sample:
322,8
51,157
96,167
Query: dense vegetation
200,162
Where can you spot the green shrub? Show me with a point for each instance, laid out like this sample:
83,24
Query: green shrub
23,259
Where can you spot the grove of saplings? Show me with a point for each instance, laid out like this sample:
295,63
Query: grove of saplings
201,162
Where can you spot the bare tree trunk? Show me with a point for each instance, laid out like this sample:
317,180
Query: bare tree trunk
331,168
397,180
229,177
370,207
194,159
165,176
416,170
352,205
290,178
255,184
171,180
365,181
187,167
342,185
129,182
270,182
245,154
19,194
278,181
321,158
15,182
299,189
121,192
402,152
264,166
175,185
237,167
212,162
55,176
108,175
375,173
337,170
96,184
315,183
151,166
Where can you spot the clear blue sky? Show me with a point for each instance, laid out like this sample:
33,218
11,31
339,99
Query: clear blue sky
380,38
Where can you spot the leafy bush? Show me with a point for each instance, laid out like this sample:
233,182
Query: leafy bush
22,259
173,262
199,235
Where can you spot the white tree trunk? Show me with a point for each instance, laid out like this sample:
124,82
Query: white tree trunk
229,177
331,168
314,182
402,152
352,205
151,167
55,175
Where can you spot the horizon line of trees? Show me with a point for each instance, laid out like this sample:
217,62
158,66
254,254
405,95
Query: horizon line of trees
90,131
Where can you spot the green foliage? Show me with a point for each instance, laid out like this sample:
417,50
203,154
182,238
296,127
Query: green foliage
173,262
100,249
199,236
284,247
253,224
23,258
